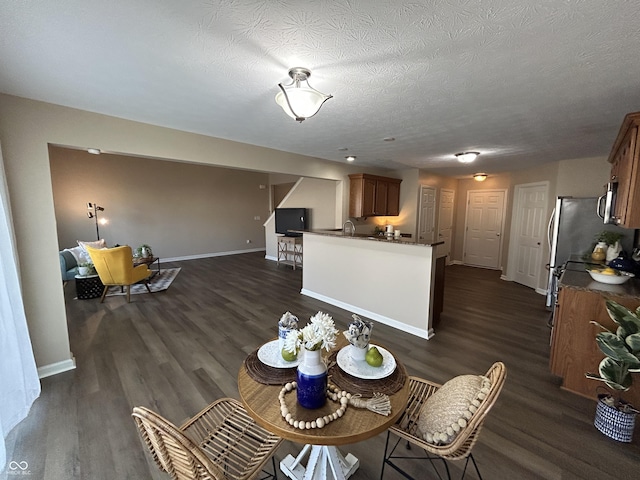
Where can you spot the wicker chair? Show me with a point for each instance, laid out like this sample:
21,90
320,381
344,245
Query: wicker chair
220,442
460,448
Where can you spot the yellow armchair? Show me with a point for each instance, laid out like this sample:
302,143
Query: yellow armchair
115,267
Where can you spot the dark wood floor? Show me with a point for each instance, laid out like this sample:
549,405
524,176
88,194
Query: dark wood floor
178,350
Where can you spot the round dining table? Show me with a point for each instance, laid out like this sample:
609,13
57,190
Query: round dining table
325,461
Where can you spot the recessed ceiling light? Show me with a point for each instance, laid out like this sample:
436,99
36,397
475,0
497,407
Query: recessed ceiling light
350,158
467,157
389,139
480,177
94,151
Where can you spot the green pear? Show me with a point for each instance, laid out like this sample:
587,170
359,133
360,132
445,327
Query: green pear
373,357
288,356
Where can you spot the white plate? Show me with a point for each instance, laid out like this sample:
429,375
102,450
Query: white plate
270,354
617,279
361,369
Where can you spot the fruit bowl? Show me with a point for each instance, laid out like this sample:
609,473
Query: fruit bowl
616,278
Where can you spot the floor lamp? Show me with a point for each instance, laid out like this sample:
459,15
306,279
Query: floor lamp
93,213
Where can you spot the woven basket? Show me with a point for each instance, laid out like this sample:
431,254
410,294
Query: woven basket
613,422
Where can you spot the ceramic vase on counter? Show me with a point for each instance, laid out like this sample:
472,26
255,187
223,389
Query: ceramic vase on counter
312,380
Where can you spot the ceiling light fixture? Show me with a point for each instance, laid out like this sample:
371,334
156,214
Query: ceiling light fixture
297,100
94,151
467,157
480,177
350,158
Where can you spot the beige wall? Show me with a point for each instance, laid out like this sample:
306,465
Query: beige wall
28,127
319,197
583,177
178,208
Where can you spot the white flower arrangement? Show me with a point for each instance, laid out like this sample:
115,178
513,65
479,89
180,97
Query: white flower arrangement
319,333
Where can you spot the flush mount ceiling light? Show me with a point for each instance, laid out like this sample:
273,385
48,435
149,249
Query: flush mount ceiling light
350,158
480,177
94,151
298,99
467,157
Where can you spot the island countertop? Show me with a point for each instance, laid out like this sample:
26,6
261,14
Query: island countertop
369,237
581,280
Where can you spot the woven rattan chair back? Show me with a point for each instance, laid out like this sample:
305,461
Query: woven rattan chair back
460,448
221,442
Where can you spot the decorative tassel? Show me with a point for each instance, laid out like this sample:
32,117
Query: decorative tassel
380,403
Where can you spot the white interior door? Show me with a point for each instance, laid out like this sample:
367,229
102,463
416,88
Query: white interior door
528,233
445,223
483,229
427,215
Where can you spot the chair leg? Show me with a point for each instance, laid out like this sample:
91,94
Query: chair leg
146,284
387,459
128,293
473,460
104,293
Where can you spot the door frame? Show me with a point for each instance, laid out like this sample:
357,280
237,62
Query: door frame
515,219
505,191
453,216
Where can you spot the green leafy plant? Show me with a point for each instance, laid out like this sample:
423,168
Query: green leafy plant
608,237
622,348
89,265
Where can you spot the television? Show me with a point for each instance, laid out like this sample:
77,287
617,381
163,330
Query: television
291,219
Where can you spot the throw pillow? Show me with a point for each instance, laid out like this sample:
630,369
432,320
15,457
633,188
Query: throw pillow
78,253
97,244
448,410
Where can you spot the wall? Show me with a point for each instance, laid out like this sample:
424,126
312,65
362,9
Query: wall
319,196
584,177
180,209
28,127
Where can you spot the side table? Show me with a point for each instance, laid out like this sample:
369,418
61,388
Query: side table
88,286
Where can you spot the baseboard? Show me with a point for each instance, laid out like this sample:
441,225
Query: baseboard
505,278
418,332
207,255
56,368
455,262
541,291
271,257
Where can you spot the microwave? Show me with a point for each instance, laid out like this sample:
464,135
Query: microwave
607,203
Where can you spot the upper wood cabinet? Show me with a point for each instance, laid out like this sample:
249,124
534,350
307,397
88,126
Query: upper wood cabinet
625,163
371,195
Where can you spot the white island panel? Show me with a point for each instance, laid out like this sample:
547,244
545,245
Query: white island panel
389,282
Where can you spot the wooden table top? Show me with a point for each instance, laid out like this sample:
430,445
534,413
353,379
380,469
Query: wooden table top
357,424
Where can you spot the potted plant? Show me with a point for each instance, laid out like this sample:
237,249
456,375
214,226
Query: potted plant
85,269
608,237
614,417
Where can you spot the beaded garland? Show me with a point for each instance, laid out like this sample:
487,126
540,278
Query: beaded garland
333,393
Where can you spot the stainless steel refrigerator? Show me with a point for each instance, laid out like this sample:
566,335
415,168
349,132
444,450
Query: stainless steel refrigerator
573,227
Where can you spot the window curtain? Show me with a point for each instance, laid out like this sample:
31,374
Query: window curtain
19,383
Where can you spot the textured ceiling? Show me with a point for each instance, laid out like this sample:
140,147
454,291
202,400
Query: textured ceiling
521,81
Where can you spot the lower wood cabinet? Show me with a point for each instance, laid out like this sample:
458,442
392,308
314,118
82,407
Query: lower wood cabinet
573,346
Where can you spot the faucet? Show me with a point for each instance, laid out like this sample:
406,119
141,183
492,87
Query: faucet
352,228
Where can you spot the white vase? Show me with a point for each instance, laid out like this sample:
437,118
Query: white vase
613,251
83,271
358,354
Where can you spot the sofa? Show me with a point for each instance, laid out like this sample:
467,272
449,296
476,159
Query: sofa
70,257
68,265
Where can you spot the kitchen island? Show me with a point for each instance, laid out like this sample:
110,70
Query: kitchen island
574,351
387,280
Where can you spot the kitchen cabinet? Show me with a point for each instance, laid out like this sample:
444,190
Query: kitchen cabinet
574,351
372,195
625,163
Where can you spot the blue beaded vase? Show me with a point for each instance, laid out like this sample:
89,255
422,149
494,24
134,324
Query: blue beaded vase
312,380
